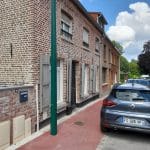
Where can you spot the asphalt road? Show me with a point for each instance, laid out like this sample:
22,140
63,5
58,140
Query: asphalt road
124,140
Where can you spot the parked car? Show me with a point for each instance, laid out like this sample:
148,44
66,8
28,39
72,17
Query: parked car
145,82
127,107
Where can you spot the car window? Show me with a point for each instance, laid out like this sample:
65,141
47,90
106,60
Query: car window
132,95
146,95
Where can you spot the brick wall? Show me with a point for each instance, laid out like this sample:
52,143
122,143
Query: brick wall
74,48
25,35
16,41
11,107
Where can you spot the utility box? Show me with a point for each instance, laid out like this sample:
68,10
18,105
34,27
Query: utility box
18,128
27,127
4,135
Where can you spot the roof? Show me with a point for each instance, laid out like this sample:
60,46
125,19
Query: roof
90,18
133,86
100,15
85,12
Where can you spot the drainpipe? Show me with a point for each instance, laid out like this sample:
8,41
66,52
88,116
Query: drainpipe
53,63
37,108
100,70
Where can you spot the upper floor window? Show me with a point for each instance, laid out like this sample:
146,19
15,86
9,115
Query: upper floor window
97,47
104,54
66,25
85,37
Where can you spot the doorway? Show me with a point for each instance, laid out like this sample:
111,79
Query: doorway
73,85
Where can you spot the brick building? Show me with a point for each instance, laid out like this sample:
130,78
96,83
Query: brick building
88,63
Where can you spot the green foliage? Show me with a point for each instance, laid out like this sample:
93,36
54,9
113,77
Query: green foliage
118,46
144,59
124,65
124,68
128,69
134,69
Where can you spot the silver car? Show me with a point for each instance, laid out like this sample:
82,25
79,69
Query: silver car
127,107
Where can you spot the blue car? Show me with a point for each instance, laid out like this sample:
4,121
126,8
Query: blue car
127,107
145,82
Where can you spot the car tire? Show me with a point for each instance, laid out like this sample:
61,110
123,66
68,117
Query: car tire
103,129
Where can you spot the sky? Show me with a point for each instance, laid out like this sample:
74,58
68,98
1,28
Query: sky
128,22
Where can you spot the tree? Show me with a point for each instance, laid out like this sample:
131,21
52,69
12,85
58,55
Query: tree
144,59
124,65
146,47
124,68
118,46
134,69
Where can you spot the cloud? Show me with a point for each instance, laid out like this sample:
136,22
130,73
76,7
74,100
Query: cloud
132,28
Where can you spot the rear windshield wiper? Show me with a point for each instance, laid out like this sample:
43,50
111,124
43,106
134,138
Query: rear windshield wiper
138,99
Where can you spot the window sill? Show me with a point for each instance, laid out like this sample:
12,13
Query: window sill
66,40
85,48
105,84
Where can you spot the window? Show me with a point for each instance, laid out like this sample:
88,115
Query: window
86,83
104,54
132,95
85,37
97,47
111,58
66,25
104,75
59,81
97,79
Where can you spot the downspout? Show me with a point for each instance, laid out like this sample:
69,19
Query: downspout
37,107
100,69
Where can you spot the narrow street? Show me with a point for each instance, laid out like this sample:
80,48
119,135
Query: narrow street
81,132
125,140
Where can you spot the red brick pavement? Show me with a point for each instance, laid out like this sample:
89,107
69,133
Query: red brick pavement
80,132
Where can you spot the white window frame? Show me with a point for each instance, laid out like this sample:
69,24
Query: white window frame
85,36
66,22
86,82
97,46
60,81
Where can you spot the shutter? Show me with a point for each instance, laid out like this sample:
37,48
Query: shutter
82,80
44,82
94,79
97,79
58,84
69,79
91,79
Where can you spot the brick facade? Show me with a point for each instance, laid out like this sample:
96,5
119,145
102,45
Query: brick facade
11,107
25,36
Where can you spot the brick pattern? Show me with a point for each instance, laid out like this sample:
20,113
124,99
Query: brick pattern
25,33
11,107
26,25
16,29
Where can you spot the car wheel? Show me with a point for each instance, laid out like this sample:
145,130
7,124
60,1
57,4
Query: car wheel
103,129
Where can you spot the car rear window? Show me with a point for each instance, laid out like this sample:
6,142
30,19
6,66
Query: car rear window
132,95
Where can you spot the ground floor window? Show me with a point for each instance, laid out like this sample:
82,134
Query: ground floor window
86,82
59,81
97,79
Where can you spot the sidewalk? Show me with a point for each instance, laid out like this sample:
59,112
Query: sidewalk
80,132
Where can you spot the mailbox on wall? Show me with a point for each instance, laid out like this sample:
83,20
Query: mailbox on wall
23,94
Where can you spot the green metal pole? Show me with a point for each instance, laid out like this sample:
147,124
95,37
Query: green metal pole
53,60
